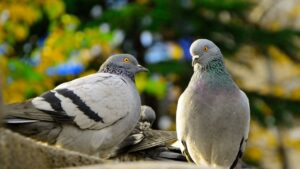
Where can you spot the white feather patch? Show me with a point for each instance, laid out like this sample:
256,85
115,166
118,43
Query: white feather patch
17,121
71,109
41,104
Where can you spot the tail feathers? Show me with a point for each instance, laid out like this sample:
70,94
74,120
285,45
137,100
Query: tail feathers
19,121
25,119
166,153
130,141
26,110
155,138
41,131
160,153
150,144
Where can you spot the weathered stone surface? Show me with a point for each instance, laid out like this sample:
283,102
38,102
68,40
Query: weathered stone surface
142,165
17,151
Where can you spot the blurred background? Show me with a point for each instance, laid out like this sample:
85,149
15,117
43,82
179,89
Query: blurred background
46,42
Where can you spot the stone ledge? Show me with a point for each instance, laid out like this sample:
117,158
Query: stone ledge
141,165
21,152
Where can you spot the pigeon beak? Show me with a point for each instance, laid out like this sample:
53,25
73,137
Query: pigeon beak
196,59
142,69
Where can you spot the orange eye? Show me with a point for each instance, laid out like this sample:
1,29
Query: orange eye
125,60
205,49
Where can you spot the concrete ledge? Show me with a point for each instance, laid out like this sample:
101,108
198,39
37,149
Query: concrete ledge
17,152
141,165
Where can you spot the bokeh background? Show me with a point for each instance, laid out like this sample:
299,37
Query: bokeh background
46,42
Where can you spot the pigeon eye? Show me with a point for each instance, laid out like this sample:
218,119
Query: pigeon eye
125,60
205,49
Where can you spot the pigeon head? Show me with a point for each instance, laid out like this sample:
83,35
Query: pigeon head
147,114
203,51
122,64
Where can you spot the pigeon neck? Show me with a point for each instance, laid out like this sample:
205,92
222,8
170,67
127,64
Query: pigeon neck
213,72
213,75
214,66
117,70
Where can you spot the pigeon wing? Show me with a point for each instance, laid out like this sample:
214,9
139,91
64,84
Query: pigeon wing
92,102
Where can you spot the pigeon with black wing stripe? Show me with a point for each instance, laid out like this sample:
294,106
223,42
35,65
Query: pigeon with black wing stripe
91,114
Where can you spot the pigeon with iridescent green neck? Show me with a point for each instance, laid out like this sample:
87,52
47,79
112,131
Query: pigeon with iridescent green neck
91,114
213,114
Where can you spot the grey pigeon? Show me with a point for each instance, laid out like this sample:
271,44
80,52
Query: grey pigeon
91,114
147,117
155,145
144,143
213,114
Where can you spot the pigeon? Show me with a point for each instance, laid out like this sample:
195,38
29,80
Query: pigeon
91,114
147,117
145,143
156,145
213,114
